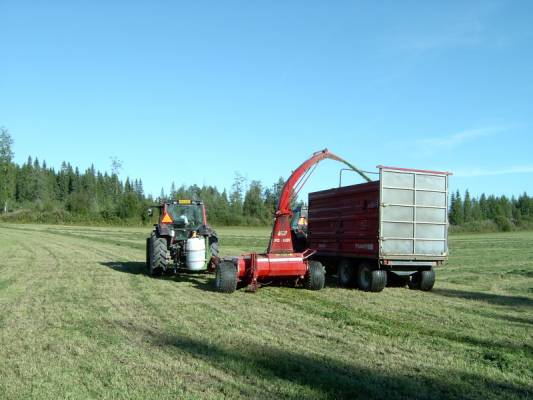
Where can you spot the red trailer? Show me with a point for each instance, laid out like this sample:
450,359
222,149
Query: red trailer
390,230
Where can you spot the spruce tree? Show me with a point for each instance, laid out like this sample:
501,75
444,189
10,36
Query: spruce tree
451,209
467,207
457,210
7,170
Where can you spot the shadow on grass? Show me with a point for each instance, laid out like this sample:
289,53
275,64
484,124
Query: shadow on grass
497,299
200,280
258,368
503,317
134,268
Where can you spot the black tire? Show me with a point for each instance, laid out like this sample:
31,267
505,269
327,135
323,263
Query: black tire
423,280
148,245
346,273
226,277
213,246
371,280
315,278
158,255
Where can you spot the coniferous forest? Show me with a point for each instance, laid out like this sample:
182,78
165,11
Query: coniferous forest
35,192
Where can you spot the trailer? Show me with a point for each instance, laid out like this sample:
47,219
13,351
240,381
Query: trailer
393,230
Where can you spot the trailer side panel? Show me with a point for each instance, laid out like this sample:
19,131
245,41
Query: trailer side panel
345,221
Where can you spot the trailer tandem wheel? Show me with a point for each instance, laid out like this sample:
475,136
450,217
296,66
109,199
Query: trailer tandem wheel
346,273
423,280
371,280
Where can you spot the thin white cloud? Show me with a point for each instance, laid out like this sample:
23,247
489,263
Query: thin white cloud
469,26
464,34
459,138
475,172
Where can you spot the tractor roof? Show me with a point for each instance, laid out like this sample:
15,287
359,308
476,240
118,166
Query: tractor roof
184,202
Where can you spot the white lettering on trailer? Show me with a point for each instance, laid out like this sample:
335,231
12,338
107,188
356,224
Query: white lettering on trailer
364,246
282,233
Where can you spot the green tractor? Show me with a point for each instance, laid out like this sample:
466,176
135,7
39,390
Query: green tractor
181,240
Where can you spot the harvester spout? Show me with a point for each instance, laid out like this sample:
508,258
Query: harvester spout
280,239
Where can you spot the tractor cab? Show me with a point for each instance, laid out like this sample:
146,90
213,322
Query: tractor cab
179,219
184,214
299,227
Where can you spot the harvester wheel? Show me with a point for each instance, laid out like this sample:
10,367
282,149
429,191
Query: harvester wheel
226,277
371,280
346,273
423,280
158,255
316,276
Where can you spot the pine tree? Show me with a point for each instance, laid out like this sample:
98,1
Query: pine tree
456,211
253,205
236,196
476,211
7,170
467,207
173,192
451,208
483,206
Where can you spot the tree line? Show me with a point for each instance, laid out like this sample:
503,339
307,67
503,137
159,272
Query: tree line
35,192
490,213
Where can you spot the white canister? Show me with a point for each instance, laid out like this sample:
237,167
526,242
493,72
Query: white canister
195,254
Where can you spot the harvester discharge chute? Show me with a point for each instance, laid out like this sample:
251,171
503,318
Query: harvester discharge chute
280,261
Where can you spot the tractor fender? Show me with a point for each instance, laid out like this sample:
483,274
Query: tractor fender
162,230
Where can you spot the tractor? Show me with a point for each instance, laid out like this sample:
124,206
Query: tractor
181,240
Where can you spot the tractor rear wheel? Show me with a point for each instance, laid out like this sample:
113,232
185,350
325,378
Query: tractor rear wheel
316,276
371,280
423,280
226,277
346,273
148,247
158,254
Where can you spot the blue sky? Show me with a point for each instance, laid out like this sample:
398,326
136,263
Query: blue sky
194,91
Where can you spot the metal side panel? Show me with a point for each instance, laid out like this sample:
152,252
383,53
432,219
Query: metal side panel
413,217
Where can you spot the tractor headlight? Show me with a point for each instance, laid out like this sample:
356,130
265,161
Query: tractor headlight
172,233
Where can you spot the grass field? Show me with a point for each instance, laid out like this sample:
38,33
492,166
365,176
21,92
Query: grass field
80,319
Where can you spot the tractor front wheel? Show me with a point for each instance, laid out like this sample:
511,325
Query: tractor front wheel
226,277
158,255
316,276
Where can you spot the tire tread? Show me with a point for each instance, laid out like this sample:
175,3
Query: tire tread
315,278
